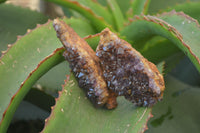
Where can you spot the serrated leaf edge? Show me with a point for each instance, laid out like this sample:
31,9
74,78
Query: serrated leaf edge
66,81
30,74
9,46
98,19
169,27
145,126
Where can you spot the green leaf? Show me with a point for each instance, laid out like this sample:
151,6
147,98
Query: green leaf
172,61
158,5
160,66
48,83
140,6
40,99
20,62
42,68
158,46
186,72
179,28
98,9
179,110
17,24
124,6
98,22
116,12
73,112
190,8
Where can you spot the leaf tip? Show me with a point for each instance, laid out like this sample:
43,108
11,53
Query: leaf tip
145,126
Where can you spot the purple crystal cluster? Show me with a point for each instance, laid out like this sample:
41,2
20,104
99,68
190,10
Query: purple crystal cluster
127,72
116,69
84,63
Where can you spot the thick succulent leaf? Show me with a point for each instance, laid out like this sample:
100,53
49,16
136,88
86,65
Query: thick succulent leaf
186,72
140,6
179,28
98,22
158,46
48,83
165,50
159,5
190,8
172,61
125,5
43,67
179,110
36,105
117,14
73,112
98,9
13,25
40,99
18,63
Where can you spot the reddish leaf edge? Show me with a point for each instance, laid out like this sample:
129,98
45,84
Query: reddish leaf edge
182,14
178,5
86,9
142,130
169,27
31,73
90,15
57,51
56,99
9,46
145,126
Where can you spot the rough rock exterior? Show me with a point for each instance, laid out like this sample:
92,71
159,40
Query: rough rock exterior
127,72
83,62
117,69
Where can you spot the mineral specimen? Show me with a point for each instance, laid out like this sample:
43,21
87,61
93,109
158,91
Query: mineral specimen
117,69
84,63
127,72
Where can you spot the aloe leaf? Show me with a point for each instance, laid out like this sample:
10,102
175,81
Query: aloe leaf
163,4
140,7
179,110
40,99
158,46
159,49
18,63
190,8
172,61
161,67
186,72
13,25
43,67
48,83
124,6
180,29
73,112
98,22
116,12
98,9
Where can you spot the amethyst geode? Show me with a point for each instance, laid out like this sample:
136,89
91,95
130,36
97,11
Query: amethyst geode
127,72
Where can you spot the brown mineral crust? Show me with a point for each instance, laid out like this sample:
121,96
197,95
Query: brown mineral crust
127,72
112,100
84,63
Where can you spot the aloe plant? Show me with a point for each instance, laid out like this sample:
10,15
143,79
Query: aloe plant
35,61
